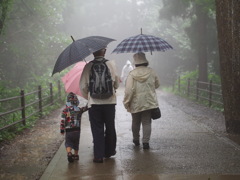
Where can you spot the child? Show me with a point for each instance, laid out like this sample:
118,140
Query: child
71,124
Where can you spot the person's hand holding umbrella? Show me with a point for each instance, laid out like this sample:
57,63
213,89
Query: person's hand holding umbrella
75,52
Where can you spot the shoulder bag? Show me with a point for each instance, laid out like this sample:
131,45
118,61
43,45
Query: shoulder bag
155,113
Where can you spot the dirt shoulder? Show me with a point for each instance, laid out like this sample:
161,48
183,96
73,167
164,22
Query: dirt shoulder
27,156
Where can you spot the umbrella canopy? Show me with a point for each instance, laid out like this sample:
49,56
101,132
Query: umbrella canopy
142,43
72,78
79,50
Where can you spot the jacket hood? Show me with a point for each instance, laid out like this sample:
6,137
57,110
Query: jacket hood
128,62
141,73
72,100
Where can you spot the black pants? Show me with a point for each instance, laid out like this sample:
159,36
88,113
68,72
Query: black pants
72,139
102,119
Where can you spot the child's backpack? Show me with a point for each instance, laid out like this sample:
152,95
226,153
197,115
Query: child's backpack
100,81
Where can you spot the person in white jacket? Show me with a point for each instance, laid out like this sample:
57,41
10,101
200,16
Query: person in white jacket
125,71
140,97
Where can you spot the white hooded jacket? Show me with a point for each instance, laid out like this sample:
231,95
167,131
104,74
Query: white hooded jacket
140,94
125,71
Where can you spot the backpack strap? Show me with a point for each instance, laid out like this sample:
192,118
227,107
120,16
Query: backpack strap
104,60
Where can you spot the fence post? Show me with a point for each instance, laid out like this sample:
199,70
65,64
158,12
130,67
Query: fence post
188,88
210,93
23,107
59,90
197,88
40,100
51,93
178,83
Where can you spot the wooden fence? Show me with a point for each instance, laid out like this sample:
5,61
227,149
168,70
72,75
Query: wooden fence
209,92
33,102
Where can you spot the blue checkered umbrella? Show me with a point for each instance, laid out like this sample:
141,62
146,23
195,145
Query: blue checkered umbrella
142,43
79,50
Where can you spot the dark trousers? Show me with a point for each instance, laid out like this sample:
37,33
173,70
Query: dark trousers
102,120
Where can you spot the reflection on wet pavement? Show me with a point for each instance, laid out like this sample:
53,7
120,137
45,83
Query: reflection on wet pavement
180,148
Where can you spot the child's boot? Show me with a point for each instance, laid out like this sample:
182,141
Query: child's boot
70,157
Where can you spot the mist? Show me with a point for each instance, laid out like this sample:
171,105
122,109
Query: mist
36,32
114,19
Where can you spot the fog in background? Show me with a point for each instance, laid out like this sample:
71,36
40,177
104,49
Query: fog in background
117,19
36,32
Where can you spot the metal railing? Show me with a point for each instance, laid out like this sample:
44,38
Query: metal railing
33,102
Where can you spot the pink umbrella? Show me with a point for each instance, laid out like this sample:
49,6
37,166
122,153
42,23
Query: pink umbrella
72,78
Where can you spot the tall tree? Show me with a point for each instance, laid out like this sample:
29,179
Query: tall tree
30,42
5,6
199,15
201,30
228,24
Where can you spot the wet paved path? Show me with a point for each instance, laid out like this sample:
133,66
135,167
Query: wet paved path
180,148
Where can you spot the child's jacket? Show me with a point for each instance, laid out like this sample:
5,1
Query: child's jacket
71,115
71,119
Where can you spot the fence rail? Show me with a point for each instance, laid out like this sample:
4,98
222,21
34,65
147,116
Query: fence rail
34,102
208,92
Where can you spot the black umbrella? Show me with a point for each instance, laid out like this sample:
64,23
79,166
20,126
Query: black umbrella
142,43
79,50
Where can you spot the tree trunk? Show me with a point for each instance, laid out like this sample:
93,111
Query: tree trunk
4,9
228,24
202,43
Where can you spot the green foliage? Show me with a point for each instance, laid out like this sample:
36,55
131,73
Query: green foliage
203,91
166,88
193,75
189,74
185,15
5,8
209,5
215,78
32,40
30,97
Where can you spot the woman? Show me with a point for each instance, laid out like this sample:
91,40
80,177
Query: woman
140,97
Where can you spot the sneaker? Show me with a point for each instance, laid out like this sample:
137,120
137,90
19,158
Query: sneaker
70,157
145,145
136,142
98,160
